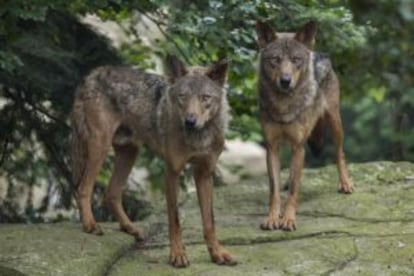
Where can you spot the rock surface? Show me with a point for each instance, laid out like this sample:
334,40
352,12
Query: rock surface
370,232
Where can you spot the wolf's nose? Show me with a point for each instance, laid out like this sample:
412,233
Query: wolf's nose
285,82
190,121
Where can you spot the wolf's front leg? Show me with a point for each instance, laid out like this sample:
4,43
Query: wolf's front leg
273,220
289,216
203,176
178,257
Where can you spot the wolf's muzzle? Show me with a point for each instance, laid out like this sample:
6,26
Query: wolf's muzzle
190,122
285,82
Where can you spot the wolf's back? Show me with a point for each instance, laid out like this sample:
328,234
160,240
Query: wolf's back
131,95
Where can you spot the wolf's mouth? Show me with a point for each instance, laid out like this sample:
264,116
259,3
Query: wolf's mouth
192,127
193,131
284,91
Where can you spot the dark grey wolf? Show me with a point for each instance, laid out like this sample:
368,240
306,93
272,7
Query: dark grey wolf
298,97
182,119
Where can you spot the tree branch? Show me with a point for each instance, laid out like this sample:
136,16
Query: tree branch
159,24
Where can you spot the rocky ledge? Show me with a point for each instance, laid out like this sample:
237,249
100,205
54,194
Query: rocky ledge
370,232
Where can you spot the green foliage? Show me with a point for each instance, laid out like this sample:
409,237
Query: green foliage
389,78
44,58
45,52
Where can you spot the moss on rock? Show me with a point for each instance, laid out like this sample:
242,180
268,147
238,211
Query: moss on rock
370,232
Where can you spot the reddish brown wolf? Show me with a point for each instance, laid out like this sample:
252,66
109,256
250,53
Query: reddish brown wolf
298,96
182,119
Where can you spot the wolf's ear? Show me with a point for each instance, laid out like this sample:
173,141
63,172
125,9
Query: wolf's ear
217,72
175,68
265,34
307,33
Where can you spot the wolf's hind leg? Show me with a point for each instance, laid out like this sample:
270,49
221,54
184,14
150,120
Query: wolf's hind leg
124,161
334,118
288,181
98,147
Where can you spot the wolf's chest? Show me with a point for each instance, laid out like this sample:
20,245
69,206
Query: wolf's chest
290,110
201,143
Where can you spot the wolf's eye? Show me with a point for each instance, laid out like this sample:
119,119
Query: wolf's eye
206,98
296,60
181,97
275,60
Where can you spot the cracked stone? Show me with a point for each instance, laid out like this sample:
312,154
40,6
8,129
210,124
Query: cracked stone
370,232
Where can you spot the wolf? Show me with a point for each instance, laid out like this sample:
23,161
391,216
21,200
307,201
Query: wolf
181,117
298,96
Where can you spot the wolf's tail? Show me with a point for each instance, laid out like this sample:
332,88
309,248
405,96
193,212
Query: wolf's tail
316,140
79,144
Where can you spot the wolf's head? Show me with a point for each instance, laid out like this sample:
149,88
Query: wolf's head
196,92
285,58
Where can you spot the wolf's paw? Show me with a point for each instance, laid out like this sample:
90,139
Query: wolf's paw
222,257
93,228
271,223
178,258
288,224
136,232
346,188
